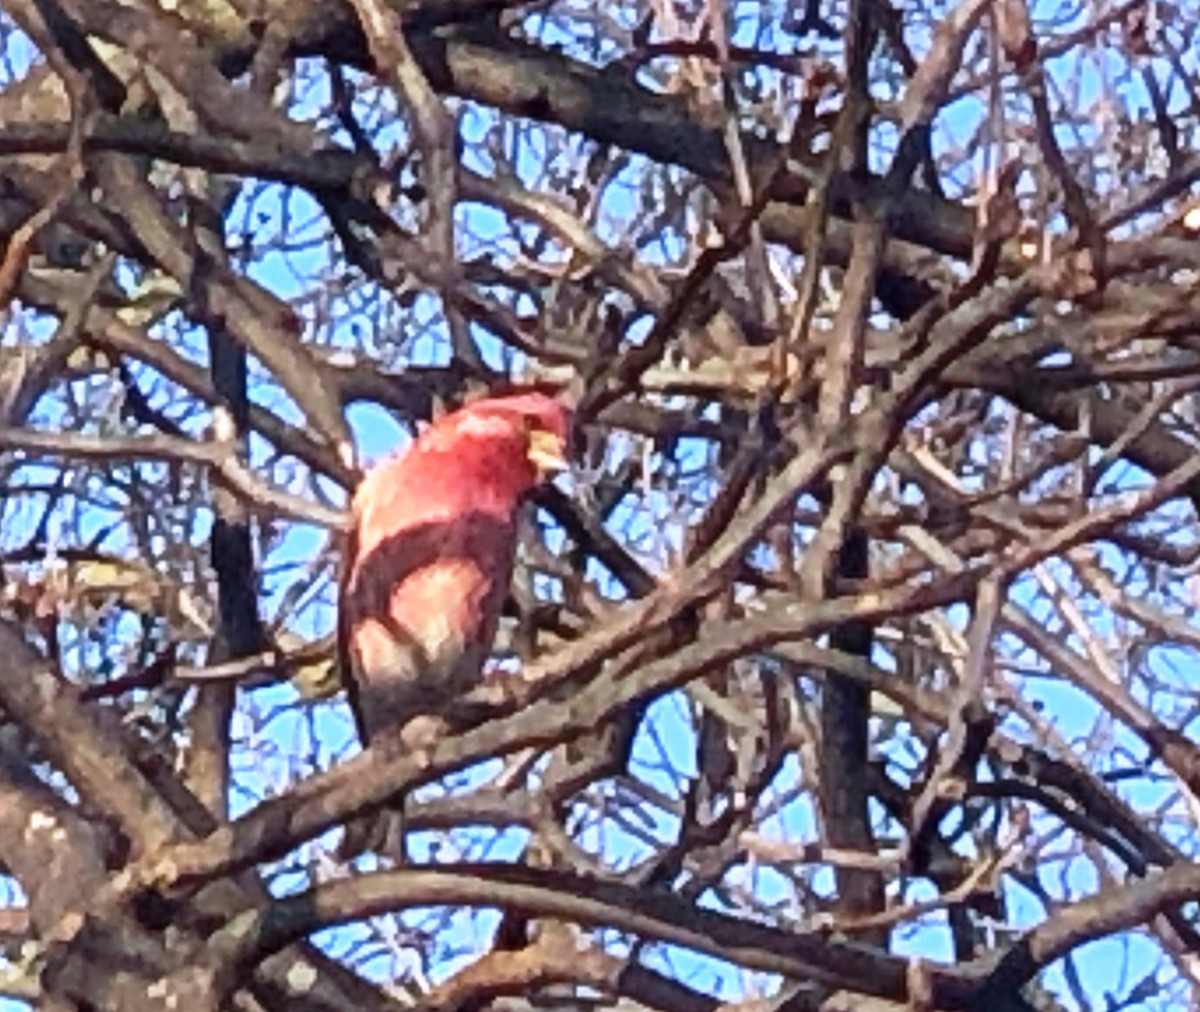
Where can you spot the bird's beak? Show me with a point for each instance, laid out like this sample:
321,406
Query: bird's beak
547,452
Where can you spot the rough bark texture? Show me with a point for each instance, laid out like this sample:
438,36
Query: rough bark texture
870,601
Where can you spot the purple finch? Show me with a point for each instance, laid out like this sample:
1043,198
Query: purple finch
429,561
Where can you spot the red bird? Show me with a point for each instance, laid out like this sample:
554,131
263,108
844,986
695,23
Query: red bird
429,561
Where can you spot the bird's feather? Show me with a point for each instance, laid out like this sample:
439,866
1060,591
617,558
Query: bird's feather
429,557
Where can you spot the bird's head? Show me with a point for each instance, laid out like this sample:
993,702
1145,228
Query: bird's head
525,435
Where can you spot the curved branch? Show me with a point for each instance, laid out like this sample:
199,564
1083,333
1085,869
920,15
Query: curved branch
217,457
1074,924
800,955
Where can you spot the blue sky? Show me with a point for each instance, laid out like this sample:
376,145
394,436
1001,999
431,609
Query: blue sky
282,741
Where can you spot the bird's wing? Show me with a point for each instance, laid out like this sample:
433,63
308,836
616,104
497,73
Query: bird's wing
418,615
